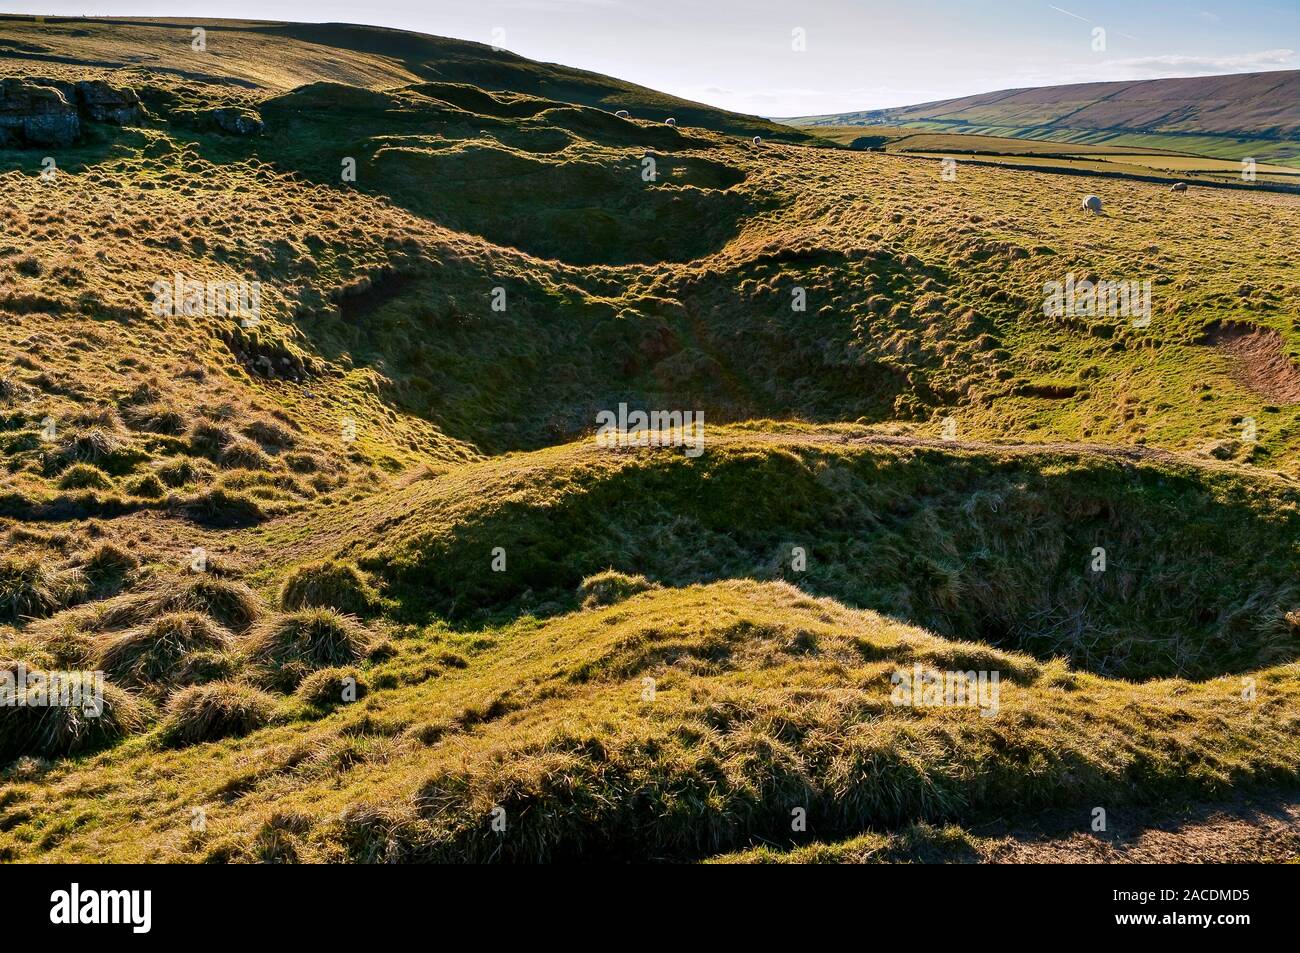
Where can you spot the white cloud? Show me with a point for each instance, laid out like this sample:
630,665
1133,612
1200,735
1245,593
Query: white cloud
1177,64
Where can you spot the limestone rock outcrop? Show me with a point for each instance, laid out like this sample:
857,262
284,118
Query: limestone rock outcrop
36,115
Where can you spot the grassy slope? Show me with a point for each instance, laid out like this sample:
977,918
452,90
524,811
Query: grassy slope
277,57
1237,102
922,304
1146,157
990,542
765,700
1249,114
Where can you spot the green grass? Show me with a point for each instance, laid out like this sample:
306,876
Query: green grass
984,544
388,479
764,700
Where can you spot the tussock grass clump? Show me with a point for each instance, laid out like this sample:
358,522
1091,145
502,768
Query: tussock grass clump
208,439
196,668
107,567
611,586
97,446
31,588
240,452
23,647
55,731
330,585
153,656
148,391
220,507
182,470
148,487
97,415
274,846
277,841
107,559
28,265
230,603
325,687
67,647
84,476
269,433
286,648
305,462
157,418
217,710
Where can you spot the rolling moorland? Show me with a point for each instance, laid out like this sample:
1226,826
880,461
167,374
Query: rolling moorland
1231,117
365,587
1150,163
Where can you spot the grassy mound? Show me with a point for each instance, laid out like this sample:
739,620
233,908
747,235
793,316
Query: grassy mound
204,713
32,726
222,508
108,559
997,545
735,752
149,486
84,476
231,604
686,723
608,587
288,647
107,566
179,472
408,417
330,585
155,655
33,588
327,687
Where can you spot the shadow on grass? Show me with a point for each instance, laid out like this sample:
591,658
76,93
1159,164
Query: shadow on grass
974,546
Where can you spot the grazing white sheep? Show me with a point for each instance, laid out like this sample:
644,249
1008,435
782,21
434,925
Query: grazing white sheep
758,140
1178,187
670,121
622,114
1093,204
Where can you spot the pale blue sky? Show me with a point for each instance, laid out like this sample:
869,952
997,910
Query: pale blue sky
860,54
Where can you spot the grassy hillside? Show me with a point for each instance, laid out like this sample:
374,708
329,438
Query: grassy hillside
260,57
1229,117
764,700
1145,160
1239,103
990,543
357,574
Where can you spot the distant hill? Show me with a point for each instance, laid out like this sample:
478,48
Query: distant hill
278,57
1254,105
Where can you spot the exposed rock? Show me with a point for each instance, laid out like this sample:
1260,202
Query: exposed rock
36,115
104,103
237,121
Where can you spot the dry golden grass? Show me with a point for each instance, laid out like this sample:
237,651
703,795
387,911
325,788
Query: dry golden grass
367,446
763,700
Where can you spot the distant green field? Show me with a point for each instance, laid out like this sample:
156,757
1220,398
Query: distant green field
1139,159
1136,162
1281,152
910,141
